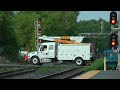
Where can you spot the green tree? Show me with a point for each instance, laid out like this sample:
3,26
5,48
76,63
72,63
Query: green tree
23,24
60,23
7,36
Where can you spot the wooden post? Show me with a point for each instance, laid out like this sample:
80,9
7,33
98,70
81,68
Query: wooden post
104,64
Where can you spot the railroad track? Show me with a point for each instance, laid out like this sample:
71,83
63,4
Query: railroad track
18,65
9,74
67,74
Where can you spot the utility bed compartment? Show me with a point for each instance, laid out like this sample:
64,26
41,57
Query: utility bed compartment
71,51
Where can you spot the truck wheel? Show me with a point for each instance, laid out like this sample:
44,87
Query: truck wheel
79,61
35,60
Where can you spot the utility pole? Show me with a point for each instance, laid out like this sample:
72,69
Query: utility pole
118,66
101,25
115,38
38,32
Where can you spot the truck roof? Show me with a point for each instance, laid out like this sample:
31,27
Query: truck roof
81,44
48,43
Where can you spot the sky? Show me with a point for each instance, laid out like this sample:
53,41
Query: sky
88,15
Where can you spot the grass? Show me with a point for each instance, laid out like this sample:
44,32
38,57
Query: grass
96,65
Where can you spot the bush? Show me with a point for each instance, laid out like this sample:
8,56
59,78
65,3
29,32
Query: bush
96,65
10,53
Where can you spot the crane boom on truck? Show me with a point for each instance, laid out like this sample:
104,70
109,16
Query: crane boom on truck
63,39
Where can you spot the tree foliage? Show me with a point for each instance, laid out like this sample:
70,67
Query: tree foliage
7,36
54,23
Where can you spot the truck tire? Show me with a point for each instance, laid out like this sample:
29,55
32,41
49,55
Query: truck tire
79,61
35,60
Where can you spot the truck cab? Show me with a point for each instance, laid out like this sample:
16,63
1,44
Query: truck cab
45,53
47,50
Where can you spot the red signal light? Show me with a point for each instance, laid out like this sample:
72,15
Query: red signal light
39,31
39,20
113,43
113,40
113,21
39,40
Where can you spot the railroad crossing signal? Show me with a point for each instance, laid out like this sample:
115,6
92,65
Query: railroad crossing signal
113,18
38,32
113,40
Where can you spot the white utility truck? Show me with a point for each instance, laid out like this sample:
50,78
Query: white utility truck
62,50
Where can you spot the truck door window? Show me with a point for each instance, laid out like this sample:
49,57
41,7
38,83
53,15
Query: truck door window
51,47
44,47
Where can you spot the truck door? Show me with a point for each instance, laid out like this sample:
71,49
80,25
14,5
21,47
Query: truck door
44,52
51,51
